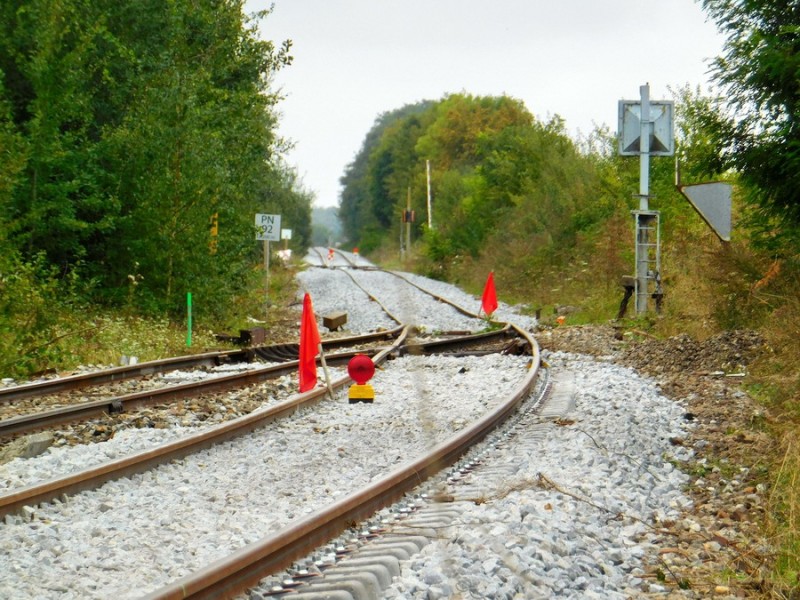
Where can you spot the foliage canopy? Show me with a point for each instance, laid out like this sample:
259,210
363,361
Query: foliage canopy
755,123
495,169
125,129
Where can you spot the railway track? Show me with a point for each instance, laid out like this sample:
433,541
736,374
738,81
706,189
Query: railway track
274,352
34,495
332,257
27,406
275,552
495,342
561,501
245,568
360,504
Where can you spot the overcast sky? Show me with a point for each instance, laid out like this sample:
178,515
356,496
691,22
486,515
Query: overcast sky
356,59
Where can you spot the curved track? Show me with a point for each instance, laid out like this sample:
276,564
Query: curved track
237,572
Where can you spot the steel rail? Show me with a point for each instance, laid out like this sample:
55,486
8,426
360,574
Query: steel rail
120,404
354,265
136,463
438,346
437,297
351,263
209,359
321,257
371,297
73,382
460,309
324,261
235,573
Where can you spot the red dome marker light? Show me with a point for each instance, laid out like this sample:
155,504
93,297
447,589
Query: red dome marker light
361,369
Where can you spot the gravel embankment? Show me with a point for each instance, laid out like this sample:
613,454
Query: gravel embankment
581,511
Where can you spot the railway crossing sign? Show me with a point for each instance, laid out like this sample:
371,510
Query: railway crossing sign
268,227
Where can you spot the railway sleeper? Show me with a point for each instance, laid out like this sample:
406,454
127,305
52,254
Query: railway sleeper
416,526
358,578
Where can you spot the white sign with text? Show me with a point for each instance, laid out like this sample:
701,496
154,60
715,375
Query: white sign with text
268,227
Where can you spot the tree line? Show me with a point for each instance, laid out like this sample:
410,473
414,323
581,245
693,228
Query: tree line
526,192
504,184
137,142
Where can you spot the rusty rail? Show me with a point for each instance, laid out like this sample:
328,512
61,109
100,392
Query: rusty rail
74,382
209,359
121,404
232,575
136,463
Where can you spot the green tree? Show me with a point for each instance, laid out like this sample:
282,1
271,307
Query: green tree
200,126
491,148
286,195
54,55
756,123
489,158
13,155
463,122
131,125
371,182
394,165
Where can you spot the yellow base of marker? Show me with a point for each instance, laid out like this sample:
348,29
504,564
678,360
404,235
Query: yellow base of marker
361,393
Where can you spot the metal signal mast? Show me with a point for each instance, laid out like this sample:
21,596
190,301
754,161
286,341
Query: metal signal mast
645,129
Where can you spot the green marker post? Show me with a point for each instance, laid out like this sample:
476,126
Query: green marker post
189,319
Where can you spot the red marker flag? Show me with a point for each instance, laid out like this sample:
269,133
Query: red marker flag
489,299
309,346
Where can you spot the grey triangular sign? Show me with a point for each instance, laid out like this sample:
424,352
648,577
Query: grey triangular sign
712,201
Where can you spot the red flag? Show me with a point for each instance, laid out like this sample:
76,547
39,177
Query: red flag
309,346
489,299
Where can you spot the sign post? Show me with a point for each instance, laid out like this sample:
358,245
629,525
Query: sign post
268,229
286,235
189,319
430,211
645,128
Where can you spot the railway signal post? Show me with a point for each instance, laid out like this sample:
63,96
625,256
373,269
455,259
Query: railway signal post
645,129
